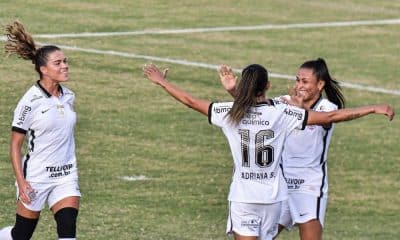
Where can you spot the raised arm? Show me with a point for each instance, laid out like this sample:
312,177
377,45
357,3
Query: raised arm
228,79
157,77
347,114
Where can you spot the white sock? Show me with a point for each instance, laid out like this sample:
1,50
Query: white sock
5,233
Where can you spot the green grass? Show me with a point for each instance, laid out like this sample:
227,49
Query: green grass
127,126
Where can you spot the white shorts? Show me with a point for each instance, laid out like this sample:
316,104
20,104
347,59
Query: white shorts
301,208
52,193
251,219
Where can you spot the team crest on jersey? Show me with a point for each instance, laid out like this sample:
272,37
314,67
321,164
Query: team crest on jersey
22,116
294,113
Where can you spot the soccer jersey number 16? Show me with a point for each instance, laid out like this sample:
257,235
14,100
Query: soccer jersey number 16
264,154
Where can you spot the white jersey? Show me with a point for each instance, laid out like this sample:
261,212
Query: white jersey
256,145
49,124
305,154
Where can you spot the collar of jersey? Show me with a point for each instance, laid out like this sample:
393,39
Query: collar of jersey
267,102
45,91
315,103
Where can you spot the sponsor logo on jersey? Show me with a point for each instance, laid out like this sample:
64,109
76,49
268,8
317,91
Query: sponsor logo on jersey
294,183
253,118
294,113
59,171
36,97
252,114
254,122
222,109
22,115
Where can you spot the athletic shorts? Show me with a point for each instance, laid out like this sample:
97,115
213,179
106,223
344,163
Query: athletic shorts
51,193
301,208
250,219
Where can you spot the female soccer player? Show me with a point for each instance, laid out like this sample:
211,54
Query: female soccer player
256,129
304,157
45,116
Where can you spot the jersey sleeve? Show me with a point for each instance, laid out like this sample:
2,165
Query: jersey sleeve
296,118
22,117
327,107
218,113
70,95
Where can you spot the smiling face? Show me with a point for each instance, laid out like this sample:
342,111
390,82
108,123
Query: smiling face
56,68
308,86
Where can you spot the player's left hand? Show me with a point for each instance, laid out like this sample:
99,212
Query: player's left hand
385,110
294,98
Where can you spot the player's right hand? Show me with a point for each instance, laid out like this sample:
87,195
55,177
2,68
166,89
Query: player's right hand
25,192
227,77
152,73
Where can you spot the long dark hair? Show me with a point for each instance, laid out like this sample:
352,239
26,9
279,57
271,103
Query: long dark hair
252,85
20,42
332,88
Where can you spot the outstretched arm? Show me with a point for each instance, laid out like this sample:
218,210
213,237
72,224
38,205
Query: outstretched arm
228,79
347,114
157,77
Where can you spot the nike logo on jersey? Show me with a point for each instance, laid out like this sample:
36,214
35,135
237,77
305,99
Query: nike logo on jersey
303,214
44,111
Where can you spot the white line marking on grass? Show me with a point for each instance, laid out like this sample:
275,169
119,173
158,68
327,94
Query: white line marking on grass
225,29
215,67
212,66
134,178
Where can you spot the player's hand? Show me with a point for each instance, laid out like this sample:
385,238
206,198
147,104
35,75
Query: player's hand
294,98
165,72
154,74
25,192
227,77
385,110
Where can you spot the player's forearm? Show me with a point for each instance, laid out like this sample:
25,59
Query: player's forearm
348,114
16,142
185,98
180,95
15,155
353,113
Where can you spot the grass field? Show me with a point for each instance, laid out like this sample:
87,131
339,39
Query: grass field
128,127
